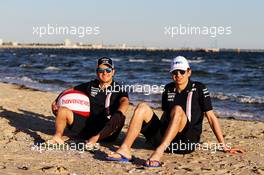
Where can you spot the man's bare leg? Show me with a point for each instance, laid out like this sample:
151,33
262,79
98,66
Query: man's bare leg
176,124
142,113
64,117
105,132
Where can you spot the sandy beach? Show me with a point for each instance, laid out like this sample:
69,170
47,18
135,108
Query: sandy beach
26,120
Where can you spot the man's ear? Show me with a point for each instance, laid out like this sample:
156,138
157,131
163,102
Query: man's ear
114,71
189,72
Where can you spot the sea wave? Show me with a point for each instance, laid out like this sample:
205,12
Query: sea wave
27,79
196,61
239,98
116,59
236,114
166,60
139,60
25,65
52,68
19,79
52,55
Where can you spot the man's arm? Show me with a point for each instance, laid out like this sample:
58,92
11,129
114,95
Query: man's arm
214,124
116,122
118,118
54,106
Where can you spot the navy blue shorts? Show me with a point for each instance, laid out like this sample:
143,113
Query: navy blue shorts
86,127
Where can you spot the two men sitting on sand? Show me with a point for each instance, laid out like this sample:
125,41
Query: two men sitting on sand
184,104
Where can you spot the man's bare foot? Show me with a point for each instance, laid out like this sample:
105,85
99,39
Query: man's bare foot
123,150
154,159
55,140
92,140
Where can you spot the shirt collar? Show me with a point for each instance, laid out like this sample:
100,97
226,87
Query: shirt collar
98,84
188,87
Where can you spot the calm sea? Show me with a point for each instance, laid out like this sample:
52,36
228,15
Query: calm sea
235,80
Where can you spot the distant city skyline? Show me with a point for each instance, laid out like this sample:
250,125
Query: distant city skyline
136,23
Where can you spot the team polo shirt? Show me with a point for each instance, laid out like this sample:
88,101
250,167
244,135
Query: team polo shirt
194,100
103,102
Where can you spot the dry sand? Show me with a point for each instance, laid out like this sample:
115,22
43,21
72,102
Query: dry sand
26,119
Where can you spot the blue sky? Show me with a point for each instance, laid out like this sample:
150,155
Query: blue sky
137,22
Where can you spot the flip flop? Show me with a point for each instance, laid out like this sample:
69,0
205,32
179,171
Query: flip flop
121,159
149,165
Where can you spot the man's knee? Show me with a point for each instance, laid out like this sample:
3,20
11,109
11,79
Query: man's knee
142,107
177,111
66,114
178,114
63,110
144,111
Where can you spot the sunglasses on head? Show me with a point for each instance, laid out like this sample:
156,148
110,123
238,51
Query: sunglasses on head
175,72
101,70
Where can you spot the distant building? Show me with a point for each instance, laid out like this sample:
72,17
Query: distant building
14,43
123,46
97,46
1,42
67,42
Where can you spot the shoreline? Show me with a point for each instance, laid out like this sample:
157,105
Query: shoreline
119,48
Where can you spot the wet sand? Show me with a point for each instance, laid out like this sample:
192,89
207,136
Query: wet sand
26,120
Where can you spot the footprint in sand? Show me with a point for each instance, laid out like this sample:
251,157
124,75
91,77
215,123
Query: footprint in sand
54,169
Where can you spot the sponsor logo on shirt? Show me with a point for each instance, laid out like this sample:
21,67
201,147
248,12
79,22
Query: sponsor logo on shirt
94,91
206,92
171,96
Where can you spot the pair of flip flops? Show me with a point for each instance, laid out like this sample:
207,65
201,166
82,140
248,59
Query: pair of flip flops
149,163
122,158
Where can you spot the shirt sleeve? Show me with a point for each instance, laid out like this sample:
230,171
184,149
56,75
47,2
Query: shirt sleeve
205,99
82,87
164,99
123,94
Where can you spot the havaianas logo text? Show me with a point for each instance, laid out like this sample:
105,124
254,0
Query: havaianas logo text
74,101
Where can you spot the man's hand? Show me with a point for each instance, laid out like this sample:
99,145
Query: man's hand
117,121
233,150
54,108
